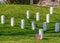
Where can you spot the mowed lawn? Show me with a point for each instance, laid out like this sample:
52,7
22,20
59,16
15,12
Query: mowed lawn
15,34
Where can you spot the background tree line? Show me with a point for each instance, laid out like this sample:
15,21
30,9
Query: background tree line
17,1
21,1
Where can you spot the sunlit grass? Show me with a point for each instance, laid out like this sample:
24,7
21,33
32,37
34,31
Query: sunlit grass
15,34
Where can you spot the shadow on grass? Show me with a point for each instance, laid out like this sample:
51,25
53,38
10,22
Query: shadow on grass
24,33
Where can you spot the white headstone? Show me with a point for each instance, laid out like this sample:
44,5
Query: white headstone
31,2
12,21
41,33
2,19
22,24
2,1
37,16
57,27
44,26
48,18
51,10
28,14
33,25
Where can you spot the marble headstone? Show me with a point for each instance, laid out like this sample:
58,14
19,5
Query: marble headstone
2,19
37,16
47,18
22,24
41,33
51,10
44,26
33,25
57,27
28,14
12,21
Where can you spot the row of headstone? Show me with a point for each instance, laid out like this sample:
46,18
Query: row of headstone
37,15
33,24
57,29
3,20
22,22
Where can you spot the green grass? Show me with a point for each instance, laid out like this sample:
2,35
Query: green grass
15,34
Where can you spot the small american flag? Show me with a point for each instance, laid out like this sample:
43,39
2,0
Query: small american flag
38,37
